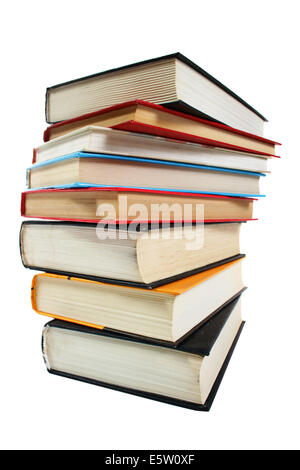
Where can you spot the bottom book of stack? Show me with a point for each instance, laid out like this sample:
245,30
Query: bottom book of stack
187,374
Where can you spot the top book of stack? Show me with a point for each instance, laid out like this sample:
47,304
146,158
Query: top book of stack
172,81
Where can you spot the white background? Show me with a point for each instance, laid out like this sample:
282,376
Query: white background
253,48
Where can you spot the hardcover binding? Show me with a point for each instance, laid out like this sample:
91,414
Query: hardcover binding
159,108
123,282
134,190
176,55
126,334
34,156
172,401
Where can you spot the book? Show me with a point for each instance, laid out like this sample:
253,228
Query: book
150,256
172,80
148,118
167,314
84,204
187,376
93,139
93,169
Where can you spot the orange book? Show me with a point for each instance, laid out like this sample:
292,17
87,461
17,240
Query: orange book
166,314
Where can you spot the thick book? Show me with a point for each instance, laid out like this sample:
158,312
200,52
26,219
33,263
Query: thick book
94,139
148,118
120,205
147,257
84,169
187,376
172,80
166,314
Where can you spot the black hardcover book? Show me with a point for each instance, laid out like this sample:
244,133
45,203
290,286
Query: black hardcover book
76,249
188,376
170,80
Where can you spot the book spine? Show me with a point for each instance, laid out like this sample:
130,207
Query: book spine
46,135
46,105
23,203
34,155
20,245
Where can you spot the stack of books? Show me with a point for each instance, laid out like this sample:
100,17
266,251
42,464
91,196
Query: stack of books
145,176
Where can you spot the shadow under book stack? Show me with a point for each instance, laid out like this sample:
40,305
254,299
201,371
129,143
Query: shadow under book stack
146,175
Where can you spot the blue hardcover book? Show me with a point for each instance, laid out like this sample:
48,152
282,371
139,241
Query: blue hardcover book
82,169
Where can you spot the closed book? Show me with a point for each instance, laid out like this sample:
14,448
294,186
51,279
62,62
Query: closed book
188,375
166,314
93,139
172,80
148,118
120,205
145,257
92,169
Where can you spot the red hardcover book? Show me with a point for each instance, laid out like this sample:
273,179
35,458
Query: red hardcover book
125,205
148,118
